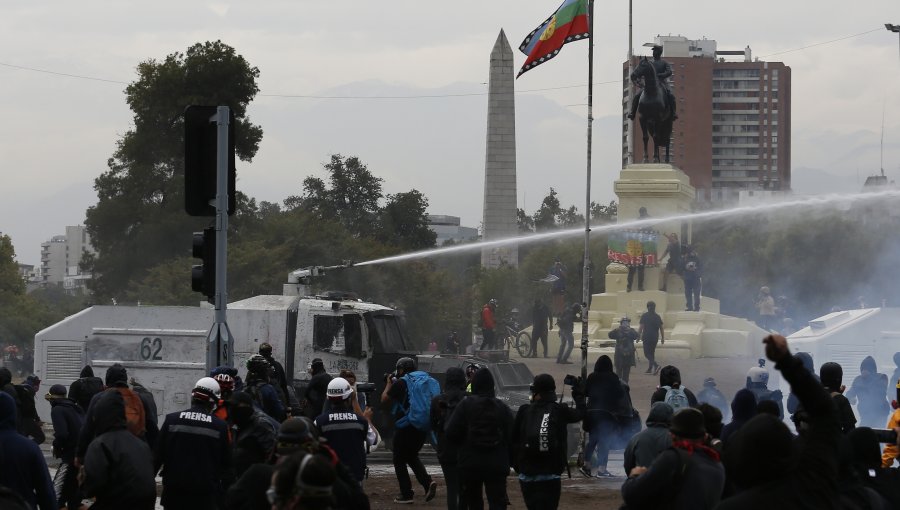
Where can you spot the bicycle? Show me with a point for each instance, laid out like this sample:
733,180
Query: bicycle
512,337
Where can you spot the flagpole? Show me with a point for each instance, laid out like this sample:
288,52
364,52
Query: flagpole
630,133
586,270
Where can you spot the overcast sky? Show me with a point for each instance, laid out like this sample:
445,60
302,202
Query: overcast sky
59,131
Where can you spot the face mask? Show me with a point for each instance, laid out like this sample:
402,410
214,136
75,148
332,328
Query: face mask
241,415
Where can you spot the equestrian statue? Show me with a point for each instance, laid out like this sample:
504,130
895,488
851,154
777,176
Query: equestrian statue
655,103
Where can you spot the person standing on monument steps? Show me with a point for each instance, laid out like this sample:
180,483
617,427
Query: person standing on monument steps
693,280
639,266
650,331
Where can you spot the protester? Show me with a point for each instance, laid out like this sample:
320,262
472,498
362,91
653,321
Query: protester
194,453
712,396
539,442
409,390
854,457
359,401
261,391
67,418
758,383
670,379
277,378
254,433
23,468
488,323
605,393
558,287
647,444
481,428
315,395
890,450
83,389
760,457
650,331
625,337
302,482
807,359
442,406
347,433
674,264
566,323
6,386
687,476
118,467
869,393
831,374
693,280
541,322
712,421
765,305
226,389
138,413
30,424
867,465
743,408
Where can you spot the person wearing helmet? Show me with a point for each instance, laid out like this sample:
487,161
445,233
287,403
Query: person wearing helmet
408,439
263,393
194,454
625,337
347,432
758,381
277,377
226,389
315,395
488,323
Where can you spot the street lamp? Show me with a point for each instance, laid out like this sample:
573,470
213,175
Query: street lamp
893,28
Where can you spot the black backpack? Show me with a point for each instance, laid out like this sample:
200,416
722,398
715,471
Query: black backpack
539,433
485,424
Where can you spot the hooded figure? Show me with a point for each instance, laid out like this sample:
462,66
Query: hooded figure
650,442
670,376
442,406
606,399
859,459
7,387
807,360
118,467
743,408
85,387
481,428
869,392
831,374
23,469
864,457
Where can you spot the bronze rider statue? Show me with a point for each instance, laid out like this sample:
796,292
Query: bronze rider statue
663,71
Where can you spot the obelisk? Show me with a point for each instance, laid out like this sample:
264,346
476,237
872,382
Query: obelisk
500,160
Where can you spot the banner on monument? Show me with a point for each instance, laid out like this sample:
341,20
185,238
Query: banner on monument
633,247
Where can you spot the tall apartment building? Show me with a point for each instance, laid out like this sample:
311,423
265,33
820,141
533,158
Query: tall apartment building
61,256
733,131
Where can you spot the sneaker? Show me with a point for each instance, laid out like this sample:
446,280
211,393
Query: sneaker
431,491
604,474
402,500
586,471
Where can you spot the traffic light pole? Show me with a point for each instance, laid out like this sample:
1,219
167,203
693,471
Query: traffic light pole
221,344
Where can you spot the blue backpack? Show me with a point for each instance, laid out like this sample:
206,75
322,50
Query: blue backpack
421,388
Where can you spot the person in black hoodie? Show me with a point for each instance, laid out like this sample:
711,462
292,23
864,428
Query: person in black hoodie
442,406
539,442
23,468
481,428
670,376
68,418
647,444
83,389
314,398
870,388
743,408
865,460
831,374
760,457
605,394
807,360
118,467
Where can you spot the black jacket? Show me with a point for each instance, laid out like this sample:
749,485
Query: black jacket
82,390
668,376
88,432
279,379
759,456
677,480
743,408
442,406
194,454
23,469
647,444
253,443
315,394
481,428
118,467
561,415
68,418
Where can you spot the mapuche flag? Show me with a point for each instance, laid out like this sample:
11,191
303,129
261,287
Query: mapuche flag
569,23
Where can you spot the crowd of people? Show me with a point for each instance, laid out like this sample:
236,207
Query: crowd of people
234,447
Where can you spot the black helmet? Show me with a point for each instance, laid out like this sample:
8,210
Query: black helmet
406,364
257,364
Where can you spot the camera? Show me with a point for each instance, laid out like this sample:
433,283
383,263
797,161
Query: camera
571,380
390,375
887,436
365,387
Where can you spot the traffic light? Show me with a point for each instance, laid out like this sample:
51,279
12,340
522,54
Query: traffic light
200,142
203,276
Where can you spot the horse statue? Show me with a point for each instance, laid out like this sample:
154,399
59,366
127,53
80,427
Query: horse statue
654,111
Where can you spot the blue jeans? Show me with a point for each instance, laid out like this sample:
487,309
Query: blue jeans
603,430
566,344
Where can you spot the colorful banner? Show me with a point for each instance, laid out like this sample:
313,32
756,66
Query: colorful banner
633,247
569,23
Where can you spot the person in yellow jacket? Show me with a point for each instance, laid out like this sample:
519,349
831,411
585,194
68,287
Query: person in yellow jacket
890,450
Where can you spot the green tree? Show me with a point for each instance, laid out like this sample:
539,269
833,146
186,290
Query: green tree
546,215
403,221
604,213
524,221
139,220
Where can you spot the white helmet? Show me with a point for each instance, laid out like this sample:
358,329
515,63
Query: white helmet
339,389
758,375
206,389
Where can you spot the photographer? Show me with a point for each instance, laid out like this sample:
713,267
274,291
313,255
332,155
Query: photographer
411,392
347,431
539,441
605,392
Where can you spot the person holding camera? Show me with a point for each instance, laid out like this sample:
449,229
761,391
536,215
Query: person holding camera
605,393
625,336
411,392
540,441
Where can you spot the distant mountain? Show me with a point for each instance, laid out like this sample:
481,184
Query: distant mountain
813,181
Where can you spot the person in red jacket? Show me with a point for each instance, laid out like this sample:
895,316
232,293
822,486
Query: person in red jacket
488,323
